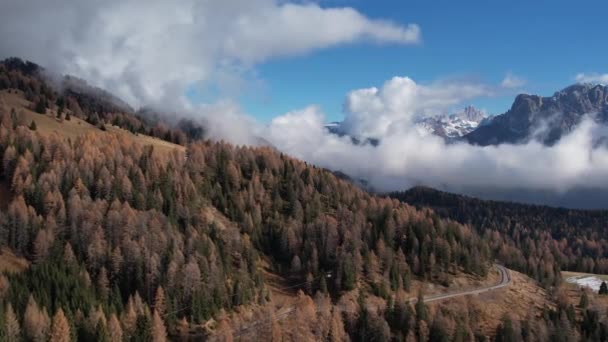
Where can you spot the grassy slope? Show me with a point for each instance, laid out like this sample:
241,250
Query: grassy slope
47,124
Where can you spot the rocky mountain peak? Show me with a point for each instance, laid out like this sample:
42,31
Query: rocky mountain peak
558,114
453,125
470,113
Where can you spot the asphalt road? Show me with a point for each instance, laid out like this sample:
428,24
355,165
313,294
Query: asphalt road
504,282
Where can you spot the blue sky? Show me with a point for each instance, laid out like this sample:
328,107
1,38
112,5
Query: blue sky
545,42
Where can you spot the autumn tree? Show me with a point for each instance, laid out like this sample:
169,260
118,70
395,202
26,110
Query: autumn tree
191,278
12,329
159,301
159,332
68,254
129,318
36,322
114,329
4,286
42,244
336,331
60,331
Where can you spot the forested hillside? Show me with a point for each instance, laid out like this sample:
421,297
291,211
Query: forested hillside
575,239
109,220
122,243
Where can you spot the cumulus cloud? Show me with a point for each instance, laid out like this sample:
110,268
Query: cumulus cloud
405,158
151,51
374,112
592,78
512,81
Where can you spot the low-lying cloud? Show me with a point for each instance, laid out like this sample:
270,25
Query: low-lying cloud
374,112
404,157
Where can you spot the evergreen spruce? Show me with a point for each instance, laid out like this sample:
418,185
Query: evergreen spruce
584,302
143,329
603,289
41,106
421,310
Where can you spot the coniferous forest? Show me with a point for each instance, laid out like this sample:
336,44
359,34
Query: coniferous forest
574,239
125,243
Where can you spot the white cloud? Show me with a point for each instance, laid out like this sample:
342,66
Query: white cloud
226,121
374,112
592,78
512,81
151,51
405,158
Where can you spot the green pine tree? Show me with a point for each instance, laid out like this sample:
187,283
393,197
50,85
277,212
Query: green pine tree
101,333
41,106
421,310
584,301
603,289
142,329
505,331
323,285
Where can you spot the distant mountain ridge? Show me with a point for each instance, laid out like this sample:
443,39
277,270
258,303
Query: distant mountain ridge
531,117
454,125
545,119
449,126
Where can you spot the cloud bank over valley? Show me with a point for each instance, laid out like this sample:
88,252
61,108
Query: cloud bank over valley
404,157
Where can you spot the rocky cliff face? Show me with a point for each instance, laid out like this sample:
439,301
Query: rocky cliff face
545,119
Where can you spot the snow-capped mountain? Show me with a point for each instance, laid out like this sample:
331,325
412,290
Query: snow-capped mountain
453,125
449,126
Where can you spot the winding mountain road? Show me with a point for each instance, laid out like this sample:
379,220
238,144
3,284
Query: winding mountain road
505,280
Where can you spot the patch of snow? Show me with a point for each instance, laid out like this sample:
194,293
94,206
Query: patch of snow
454,125
591,282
